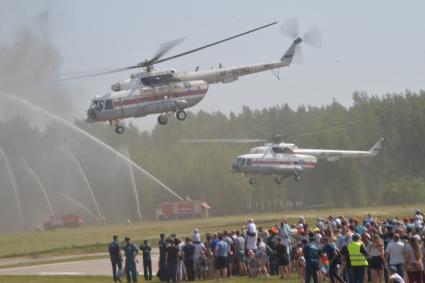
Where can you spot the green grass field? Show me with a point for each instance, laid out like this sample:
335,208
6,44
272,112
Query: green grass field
94,239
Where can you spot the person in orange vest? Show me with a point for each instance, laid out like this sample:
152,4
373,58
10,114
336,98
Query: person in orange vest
356,259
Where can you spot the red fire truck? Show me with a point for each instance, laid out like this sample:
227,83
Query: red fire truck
68,221
182,209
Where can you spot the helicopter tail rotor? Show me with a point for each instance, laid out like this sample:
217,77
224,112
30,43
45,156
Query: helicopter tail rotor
312,37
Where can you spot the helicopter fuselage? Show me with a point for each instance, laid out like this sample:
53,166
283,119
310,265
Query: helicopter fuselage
147,100
286,159
274,164
165,92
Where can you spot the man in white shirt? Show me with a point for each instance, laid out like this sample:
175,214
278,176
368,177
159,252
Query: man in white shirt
394,254
251,235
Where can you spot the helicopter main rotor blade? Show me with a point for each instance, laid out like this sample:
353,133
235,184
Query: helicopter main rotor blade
323,130
214,43
95,74
164,49
230,141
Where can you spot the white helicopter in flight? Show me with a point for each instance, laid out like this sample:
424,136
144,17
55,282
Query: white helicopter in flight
284,159
168,91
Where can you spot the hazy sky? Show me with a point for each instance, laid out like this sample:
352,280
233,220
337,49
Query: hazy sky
375,46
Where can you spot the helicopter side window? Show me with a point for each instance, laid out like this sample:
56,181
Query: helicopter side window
108,104
249,162
243,162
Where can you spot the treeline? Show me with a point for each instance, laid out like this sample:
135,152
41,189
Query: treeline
203,171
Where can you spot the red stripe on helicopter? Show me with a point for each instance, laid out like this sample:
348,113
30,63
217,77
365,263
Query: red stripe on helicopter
159,97
278,162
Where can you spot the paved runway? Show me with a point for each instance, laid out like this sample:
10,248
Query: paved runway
84,267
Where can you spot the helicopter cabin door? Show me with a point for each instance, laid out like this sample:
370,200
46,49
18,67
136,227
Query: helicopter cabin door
129,107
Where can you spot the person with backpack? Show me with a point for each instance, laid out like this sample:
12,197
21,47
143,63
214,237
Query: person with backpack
334,257
116,258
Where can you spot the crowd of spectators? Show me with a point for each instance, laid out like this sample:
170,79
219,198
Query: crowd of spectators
333,248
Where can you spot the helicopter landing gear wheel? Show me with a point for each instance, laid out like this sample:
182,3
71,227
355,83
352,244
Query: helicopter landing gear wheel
278,180
297,178
162,119
252,180
119,129
181,115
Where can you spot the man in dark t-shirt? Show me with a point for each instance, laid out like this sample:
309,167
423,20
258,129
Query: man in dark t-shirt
171,256
188,252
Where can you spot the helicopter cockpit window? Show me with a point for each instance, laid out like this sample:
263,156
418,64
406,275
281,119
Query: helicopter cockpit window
249,162
108,104
243,162
159,80
284,150
97,105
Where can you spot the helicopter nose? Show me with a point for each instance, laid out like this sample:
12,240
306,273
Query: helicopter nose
236,168
91,116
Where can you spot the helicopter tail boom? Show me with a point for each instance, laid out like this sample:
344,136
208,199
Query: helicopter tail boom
289,54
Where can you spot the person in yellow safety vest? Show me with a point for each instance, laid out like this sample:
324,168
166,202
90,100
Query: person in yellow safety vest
356,259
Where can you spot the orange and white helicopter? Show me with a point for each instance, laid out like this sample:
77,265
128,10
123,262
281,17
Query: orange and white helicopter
284,159
169,91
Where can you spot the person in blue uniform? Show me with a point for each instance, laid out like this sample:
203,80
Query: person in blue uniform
147,260
116,258
162,246
131,252
312,252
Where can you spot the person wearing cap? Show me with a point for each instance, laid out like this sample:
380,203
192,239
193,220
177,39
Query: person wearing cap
413,260
356,259
130,251
312,251
116,258
394,254
147,260
394,276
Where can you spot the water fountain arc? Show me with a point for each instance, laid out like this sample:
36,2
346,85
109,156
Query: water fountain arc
92,138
